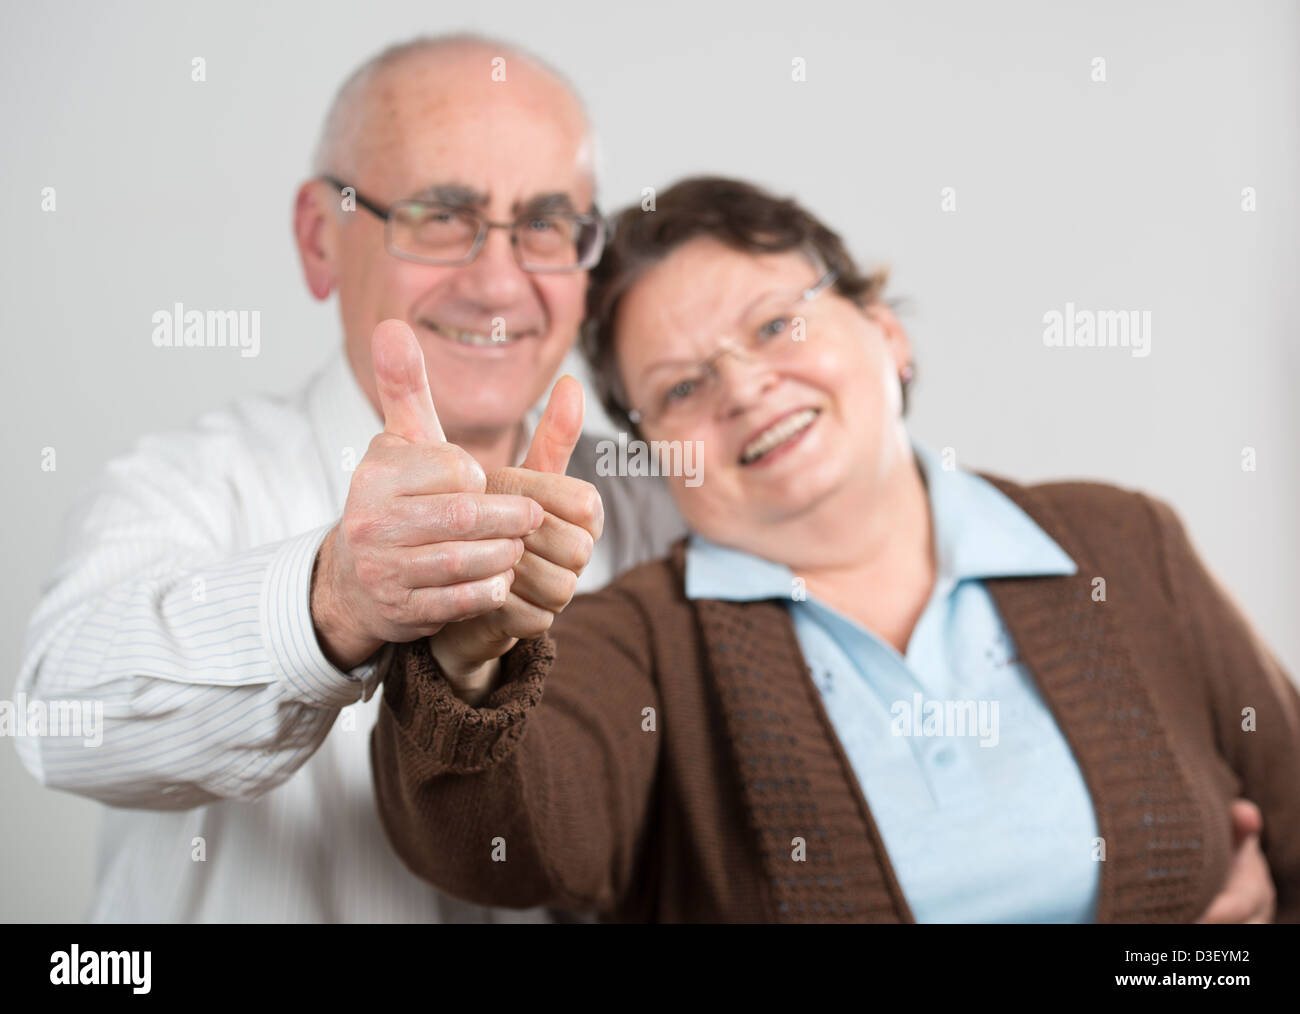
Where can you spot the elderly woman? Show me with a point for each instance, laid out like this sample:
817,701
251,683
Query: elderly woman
869,686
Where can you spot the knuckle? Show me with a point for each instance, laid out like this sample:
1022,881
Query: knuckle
508,552
383,443
449,605
464,601
375,469
435,608
354,526
461,514
495,555
589,505
408,564
536,626
581,550
369,571
363,526
391,605
449,561
460,467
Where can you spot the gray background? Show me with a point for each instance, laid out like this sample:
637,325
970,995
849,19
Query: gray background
1122,195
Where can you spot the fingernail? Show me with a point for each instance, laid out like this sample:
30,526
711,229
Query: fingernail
537,515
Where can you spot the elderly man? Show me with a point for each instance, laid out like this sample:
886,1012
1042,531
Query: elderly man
228,589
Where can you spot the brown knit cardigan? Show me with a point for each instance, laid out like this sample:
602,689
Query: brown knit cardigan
556,792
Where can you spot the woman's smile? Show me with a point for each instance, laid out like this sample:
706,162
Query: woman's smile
776,440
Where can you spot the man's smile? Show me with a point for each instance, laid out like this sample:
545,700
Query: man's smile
489,338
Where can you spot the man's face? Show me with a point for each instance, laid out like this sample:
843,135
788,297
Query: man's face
511,144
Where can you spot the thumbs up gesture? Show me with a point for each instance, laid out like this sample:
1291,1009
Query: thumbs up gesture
554,556
422,541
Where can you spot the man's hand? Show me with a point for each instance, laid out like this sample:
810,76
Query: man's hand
1248,896
556,554
421,542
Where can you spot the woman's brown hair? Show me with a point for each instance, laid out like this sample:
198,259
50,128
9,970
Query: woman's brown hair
739,214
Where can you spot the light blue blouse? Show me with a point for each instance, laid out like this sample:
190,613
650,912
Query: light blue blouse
983,810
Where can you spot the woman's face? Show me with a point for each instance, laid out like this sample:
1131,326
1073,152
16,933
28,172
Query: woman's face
806,409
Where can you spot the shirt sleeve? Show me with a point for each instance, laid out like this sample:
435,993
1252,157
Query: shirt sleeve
1255,705
542,795
189,657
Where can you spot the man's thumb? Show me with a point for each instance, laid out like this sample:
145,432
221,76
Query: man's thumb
403,385
558,431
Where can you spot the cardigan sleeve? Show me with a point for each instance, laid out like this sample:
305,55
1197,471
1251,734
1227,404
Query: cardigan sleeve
541,795
1261,745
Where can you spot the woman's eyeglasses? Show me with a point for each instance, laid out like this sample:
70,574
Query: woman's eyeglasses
774,330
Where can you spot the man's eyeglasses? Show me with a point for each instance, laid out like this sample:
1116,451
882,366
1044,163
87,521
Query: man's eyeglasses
433,232
774,330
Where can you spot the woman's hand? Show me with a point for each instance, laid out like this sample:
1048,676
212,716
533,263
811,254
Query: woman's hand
1248,895
546,574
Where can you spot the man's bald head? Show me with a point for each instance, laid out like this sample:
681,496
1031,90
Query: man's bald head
370,108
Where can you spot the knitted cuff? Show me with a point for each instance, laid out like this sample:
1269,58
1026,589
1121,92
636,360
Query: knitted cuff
457,737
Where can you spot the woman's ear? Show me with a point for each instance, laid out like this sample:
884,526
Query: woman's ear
896,339
315,231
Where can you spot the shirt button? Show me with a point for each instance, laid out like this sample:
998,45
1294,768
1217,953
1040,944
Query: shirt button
944,756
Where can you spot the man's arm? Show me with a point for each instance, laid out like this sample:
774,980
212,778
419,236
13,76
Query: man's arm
214,672
199,662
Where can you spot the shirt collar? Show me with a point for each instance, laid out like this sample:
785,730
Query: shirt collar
979,533
345,422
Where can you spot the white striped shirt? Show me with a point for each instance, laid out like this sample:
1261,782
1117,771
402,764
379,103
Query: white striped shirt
234,755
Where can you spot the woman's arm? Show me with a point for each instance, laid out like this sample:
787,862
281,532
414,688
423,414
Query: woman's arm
1261,745
541,795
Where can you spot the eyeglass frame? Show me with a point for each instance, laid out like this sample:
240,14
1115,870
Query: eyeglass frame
485,226
709,364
